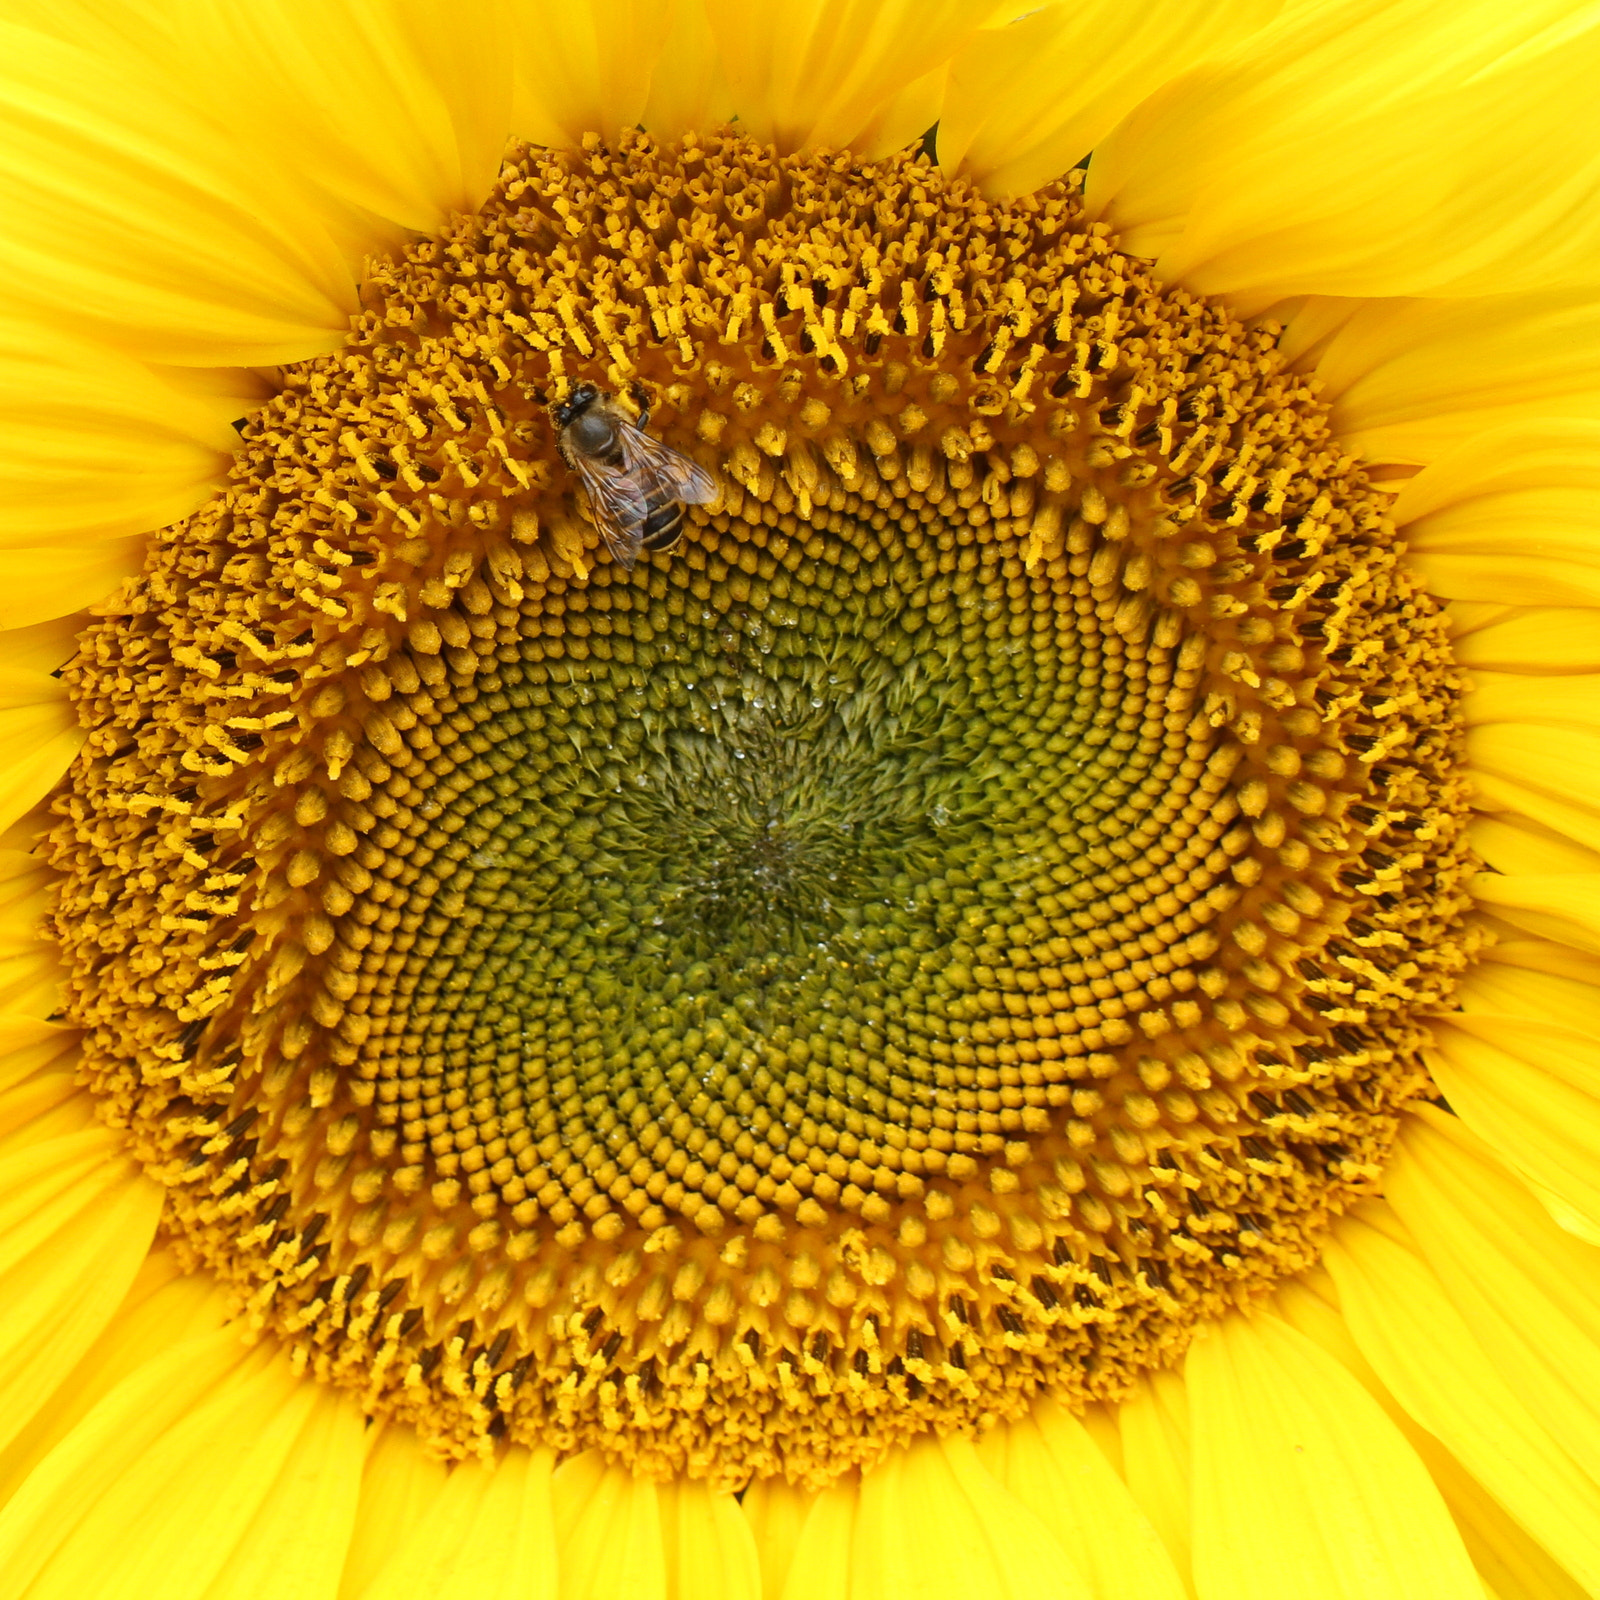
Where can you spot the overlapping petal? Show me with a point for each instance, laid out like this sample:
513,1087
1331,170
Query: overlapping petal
399,1482
1529,1291
1411,380
1153,1429
134,217
1544,639
1509,515
932,1524
30,973
485,1533
813,73
1049,1462
1428,1357
1026,101
209,1472
76,1220
1510,1560
38,730
163,1308
608,1525
399,111
94,445
1300,1479
1532,1091
1377,147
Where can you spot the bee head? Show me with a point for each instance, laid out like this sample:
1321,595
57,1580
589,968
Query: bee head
564,412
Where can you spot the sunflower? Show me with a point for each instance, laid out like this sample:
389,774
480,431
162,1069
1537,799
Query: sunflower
1014,1014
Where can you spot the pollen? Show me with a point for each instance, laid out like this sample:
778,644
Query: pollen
962,919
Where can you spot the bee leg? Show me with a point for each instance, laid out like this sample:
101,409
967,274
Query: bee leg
641,398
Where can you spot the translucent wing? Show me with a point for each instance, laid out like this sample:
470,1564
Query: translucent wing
620,505
664,473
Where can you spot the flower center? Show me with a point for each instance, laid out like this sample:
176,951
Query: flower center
956,922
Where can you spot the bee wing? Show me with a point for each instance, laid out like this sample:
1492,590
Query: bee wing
667,471
619,506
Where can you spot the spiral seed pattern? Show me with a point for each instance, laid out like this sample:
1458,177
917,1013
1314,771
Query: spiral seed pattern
958,922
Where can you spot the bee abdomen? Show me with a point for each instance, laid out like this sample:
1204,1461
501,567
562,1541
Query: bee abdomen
662,527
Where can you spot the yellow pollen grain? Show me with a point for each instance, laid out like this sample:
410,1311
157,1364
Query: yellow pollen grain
957,922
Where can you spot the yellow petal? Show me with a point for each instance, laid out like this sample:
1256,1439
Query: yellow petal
1547,773
1029,100
776,1512
1466,616
687,88
1100,1423
905,118
1515,844
1153,1426
132,27
1529,1291
1515,948
44,1106
35,1076
588,67
710,1549
76,1219
1563,906
30,977
1301,1482
42,646
1521,495
1493,988
30,973
1501,796
933,1522
1522,979
93,445
1562,578
821,1566
40,739
201,1477
1371,148
40,582
399,108
28,1045
131,215
1541,639
24,883
162,1309
1572,699
1427,1357
1532,1091
486,1533
608,1528
1049,1462
1410,380
813,73
48,1105
399,1481
1512,1563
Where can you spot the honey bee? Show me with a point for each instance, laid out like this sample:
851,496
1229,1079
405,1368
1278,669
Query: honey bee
637,486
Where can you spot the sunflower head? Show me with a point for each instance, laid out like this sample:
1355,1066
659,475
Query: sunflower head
952,926
821,857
